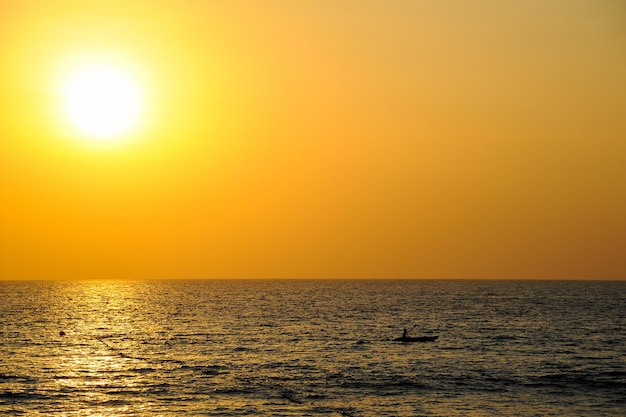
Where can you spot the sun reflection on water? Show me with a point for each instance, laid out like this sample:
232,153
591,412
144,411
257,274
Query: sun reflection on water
94,348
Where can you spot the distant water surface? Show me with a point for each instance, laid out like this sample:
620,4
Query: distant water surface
294,348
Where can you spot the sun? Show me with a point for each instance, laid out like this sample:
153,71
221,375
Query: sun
101,101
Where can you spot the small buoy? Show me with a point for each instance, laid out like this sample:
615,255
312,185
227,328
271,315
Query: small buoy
61,333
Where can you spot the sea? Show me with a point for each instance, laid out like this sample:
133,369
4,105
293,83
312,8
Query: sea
312,348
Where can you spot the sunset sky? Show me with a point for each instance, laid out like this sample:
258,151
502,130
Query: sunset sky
316,139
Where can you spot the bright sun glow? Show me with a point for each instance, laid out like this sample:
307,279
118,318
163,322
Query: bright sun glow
102,102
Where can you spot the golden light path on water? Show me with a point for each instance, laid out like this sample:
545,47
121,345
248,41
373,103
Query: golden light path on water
88,361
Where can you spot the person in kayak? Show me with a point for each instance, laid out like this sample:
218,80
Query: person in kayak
404,335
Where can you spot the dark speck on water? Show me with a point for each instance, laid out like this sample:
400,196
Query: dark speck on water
314,348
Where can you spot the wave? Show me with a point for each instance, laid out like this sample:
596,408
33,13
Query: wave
614,380
383,387
21,396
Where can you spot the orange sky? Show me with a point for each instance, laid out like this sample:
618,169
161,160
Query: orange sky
322,139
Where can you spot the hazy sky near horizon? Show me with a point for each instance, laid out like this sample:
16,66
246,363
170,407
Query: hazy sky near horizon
321,139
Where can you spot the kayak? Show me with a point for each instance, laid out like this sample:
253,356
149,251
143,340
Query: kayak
416,339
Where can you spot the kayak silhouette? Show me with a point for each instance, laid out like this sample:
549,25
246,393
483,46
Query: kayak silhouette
408,339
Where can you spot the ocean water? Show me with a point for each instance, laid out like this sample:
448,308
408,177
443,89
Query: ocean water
308,348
